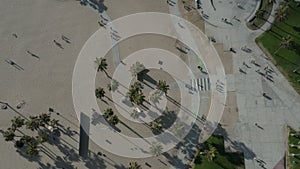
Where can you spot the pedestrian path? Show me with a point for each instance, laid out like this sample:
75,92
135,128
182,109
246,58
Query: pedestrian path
200,84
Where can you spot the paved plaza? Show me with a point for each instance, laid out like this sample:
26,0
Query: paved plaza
51,42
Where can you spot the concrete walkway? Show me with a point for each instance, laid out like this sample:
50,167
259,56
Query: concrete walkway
271,114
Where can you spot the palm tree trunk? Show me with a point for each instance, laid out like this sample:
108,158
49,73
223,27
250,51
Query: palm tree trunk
106,74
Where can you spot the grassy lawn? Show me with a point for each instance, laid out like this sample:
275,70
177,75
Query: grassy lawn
257,22
294,140
222,159
286,60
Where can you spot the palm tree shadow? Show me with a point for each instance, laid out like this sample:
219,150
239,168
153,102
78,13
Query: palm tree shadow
95,4
94,161
146,77
62,163
239,147
282,57
296,47
168,117
22,152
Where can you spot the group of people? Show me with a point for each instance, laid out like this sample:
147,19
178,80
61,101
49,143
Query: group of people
64,38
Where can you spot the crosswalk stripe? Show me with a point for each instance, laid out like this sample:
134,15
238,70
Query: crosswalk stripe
200,84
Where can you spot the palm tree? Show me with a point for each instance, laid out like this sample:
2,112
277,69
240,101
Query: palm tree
156,125
53,123
136,69
17,122
156,148
286,43
162,86
113,119
108,113
134,165
131,94
9,135
101,65
26,139
211,153
135,93
139,98
19,144
42,137
31,149
100,93
281,13
33,123
44,119
137,86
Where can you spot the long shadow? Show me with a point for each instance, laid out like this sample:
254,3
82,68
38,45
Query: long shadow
239,146
120,166
297,29
286,59
141,148
188,144
22,152
62,163
288,33
95,4
275,26
213,5
174,160
13,109
45,166
148,78
69,133
48,152
296,10
117,104
180,106
168,117
136,133
97,118
274,34
151,87
296,48
69,154
60,115
94,161
14,64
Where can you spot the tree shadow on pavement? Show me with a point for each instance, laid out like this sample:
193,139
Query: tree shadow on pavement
168,118
94,161
120,166
236,146
95,4
144,76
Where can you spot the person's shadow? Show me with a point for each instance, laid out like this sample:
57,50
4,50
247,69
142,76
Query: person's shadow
95,4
